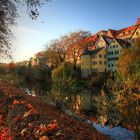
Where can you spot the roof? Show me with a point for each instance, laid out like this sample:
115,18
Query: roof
123,43
138,21
107,39
101,32
112,33
92,38
87,52
128,31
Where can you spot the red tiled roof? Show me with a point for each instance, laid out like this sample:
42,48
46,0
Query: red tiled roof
101,31
138,21
92,38
127,31
112,33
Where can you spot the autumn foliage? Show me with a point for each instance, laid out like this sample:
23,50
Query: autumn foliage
25,117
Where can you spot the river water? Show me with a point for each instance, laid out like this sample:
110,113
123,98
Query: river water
84,105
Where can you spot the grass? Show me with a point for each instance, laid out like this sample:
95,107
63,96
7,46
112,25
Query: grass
11,78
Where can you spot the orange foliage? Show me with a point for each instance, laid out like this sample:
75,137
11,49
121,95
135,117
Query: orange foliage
16,102
38,120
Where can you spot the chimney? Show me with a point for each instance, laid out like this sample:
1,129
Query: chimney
138,21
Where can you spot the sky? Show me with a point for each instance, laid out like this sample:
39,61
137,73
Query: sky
63,16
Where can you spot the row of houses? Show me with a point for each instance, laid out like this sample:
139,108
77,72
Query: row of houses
97,53
102,51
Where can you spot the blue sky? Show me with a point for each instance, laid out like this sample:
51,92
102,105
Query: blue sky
62,16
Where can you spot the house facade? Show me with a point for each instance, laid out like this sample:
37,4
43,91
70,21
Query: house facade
99,60
93,62
111,43
137,32
114,51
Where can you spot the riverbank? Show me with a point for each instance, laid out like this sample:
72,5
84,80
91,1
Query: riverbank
26,117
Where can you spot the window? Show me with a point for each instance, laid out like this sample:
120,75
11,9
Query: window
108,65
94,70
105,63
113,46
112,65
100,56
137,33
116,52
94,63
100,62
105,56
109,53
133,40
92,43
94,56
112,53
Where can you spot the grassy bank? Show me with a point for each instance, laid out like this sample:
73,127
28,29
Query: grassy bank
14,79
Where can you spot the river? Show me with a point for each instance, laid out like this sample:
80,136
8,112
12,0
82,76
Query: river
85,106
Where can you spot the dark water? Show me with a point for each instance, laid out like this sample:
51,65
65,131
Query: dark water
85,103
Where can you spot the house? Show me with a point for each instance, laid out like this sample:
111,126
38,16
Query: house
111,33
114,50
90,42
86,63
130,33
101,51
74,52
93,61
137,31
103,41
98,60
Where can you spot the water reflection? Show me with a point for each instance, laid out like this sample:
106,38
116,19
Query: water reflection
106,120
117,133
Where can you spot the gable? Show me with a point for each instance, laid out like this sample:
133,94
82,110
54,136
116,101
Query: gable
100,43
114,43
137,32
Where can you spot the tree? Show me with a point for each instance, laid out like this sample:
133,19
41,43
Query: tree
56,52
8,14
64,71
76,43
129,57
70,43
123,90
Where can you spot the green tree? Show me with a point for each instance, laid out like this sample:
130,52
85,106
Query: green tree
130,56
123,87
